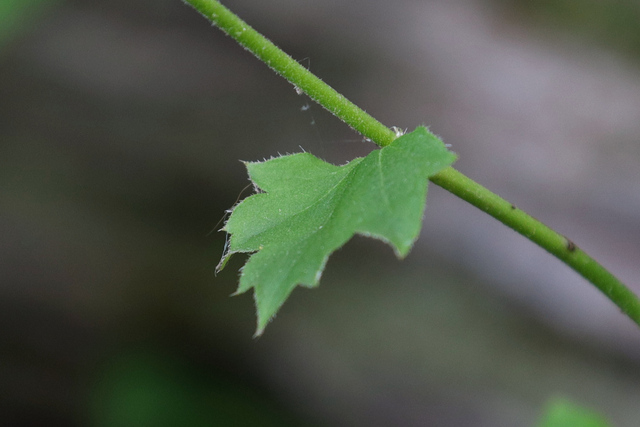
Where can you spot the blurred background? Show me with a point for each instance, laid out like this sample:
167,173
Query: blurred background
122,124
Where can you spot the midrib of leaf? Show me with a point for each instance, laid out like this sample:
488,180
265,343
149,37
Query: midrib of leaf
381,175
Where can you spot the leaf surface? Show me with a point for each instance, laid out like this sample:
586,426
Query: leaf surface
308,208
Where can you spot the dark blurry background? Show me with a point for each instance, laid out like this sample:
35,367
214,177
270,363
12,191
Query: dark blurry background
122,124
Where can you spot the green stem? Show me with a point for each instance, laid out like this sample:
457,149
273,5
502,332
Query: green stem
555,243
295,73
449,179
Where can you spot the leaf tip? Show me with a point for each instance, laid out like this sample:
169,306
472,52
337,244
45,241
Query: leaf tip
262,322
258,333
226,253
401,253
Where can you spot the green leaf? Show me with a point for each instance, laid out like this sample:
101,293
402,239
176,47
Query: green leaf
561,413
310,208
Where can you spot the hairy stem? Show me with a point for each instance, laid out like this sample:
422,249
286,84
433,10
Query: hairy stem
555,243
295,73
449,179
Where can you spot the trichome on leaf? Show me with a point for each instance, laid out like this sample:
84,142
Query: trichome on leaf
310,208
